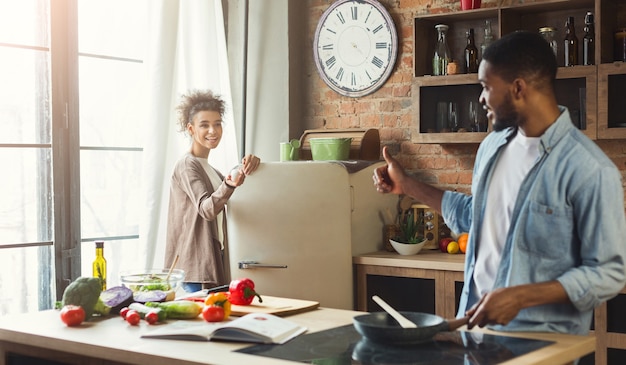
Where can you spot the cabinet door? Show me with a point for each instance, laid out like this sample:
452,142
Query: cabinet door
459,89
576,89
611,105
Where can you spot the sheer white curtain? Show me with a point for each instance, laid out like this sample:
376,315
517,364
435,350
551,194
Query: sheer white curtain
187,51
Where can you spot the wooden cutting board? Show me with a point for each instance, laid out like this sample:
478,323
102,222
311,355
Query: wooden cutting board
275,305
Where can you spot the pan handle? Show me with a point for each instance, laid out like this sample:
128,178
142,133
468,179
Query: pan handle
454,324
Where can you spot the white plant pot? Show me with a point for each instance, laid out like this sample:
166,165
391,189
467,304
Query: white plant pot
407,248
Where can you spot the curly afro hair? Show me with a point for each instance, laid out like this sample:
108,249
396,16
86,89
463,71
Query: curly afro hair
196,101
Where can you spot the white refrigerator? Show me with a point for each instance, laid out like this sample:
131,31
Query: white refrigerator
293,228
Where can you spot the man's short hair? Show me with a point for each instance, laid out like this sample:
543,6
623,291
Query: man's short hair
525,55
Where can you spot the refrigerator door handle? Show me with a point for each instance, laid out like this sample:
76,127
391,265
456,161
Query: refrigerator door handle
256,265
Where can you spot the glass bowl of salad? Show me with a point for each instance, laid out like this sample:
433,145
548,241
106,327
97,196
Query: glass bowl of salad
152,280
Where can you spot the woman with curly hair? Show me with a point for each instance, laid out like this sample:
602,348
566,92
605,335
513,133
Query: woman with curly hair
198,195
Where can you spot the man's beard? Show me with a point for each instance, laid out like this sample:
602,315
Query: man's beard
505,115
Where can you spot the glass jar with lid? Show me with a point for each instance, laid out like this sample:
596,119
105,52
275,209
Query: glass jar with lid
549,33
442,55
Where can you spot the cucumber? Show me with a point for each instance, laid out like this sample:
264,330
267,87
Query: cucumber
178,309
144,309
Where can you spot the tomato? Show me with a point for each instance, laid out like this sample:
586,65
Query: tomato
123,312
72,315
152,317
220,299
213,313
133,317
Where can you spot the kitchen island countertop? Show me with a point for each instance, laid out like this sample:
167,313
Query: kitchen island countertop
112,341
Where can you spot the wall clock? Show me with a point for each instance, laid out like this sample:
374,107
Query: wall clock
355,46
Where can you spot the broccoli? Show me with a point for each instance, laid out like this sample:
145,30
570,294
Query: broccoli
85,291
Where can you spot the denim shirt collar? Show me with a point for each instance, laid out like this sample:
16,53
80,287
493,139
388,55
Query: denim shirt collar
555,132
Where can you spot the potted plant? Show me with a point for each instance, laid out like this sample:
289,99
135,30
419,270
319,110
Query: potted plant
410,238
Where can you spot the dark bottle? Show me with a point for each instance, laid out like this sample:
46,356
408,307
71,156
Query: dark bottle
100,265
571,43
471,53
588,41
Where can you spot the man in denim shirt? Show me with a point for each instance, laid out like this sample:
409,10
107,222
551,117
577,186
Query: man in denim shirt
546,216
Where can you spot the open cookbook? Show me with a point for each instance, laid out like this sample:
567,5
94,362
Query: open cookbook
253,327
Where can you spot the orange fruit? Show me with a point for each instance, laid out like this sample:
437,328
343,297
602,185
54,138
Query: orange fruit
462,241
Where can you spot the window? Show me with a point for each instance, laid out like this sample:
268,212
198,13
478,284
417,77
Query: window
46,47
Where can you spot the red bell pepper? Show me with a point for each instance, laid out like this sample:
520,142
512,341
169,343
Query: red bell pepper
241,292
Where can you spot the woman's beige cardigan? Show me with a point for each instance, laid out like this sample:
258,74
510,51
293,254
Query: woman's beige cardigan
192,232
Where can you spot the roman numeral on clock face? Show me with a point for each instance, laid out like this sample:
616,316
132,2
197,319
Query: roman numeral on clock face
341,18
331,62
377,62
340,74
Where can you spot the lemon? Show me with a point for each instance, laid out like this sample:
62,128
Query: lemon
453,247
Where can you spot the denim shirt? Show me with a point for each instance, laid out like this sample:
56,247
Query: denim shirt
568,224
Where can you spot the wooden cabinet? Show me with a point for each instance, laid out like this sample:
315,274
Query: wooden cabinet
591,93
610,331
446,272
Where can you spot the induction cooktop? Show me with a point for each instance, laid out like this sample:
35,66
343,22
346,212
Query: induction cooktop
343,345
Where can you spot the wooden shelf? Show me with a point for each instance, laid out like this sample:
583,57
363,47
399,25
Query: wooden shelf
592,84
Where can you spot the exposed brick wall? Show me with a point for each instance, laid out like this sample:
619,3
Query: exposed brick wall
389,109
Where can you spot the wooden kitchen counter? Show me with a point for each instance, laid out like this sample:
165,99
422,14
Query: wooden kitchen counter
112,341
425,259
445,269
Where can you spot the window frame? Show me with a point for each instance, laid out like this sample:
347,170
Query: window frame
65,142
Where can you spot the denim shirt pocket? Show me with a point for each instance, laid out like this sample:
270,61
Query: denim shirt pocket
548,231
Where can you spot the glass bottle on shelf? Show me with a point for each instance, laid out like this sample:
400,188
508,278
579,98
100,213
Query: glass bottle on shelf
470,53
99,266
588,40
571,43
442,52
487,39
548,34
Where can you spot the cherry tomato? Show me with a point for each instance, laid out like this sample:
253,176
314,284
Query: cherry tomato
213,313
72,315
123,312
152,317
133,317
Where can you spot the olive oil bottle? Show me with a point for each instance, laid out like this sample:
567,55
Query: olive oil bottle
100,265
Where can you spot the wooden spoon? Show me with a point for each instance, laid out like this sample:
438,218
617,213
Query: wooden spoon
404,322
167,278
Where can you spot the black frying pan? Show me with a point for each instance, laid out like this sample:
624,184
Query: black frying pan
380,327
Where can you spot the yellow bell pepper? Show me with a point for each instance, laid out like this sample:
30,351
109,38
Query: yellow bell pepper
219,299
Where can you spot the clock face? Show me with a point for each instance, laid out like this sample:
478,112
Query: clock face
355,46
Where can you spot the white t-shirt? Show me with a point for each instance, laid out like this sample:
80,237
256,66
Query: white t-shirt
518,157
216,182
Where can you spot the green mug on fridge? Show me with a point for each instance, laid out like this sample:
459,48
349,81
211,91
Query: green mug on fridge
290,151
